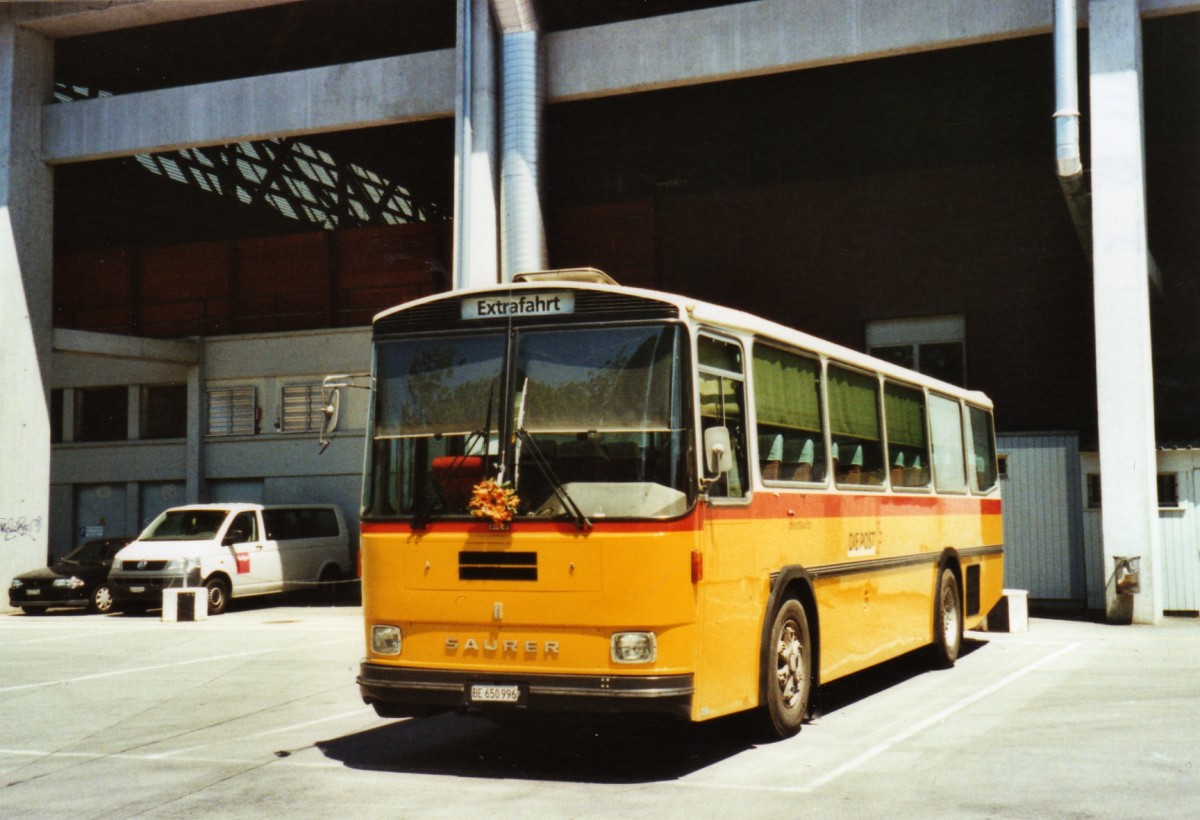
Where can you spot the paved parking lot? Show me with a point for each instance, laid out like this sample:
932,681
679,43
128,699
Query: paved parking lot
255,713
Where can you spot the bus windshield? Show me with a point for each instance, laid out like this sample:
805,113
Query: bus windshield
594,415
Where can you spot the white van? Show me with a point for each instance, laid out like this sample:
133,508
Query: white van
232,550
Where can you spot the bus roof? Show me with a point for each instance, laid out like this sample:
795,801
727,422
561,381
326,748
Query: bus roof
716,317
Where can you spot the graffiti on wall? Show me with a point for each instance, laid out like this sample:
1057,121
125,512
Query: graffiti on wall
19,527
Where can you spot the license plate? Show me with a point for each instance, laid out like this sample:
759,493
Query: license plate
483,693
33,592
137,589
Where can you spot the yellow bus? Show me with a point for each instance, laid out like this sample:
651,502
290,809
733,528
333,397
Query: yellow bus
586,497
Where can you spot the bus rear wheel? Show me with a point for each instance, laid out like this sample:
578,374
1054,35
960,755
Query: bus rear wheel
947,620
788,671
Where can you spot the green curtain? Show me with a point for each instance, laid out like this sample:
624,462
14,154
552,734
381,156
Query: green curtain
853,404
787,390
905,409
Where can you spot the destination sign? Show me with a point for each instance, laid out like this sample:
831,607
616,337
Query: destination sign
518,305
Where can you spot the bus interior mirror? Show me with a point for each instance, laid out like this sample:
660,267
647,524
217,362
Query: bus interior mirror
718,450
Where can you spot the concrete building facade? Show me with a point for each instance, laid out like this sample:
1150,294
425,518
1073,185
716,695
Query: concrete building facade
205,202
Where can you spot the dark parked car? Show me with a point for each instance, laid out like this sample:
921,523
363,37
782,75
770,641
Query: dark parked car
78,580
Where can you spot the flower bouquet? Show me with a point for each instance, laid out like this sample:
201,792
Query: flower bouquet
493,500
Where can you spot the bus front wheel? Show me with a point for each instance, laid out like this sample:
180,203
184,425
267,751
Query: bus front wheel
947,620
788,672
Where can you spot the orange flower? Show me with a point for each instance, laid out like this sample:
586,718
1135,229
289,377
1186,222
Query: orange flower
498,502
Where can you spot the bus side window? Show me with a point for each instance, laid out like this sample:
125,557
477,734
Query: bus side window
854,425
945,422
908,445
722,404
787,398
983,447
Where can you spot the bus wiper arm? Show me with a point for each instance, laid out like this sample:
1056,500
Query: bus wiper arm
581,520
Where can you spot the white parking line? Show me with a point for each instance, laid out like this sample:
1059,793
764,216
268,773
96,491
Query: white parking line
156,667
916,728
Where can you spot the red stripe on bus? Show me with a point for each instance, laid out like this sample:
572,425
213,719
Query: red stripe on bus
764,505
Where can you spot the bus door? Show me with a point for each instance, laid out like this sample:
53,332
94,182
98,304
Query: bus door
727,661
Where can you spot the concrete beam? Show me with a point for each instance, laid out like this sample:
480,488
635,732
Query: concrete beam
74,19
112,346
772,36
392,90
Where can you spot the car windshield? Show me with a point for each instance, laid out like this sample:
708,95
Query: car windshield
185,525
89,551
593,423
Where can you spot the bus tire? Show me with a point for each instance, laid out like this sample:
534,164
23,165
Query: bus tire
788,672
217,595
947,620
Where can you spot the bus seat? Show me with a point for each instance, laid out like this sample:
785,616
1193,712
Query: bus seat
772,464
804,465
455,477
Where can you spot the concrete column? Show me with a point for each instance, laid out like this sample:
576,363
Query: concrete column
196,481
26,264
1121,270
476,243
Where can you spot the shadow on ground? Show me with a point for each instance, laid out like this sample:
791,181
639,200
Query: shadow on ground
585,750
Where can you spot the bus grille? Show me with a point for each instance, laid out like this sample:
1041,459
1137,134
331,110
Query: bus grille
497,566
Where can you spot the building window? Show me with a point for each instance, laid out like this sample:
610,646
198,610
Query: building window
232,411
56,416
1168,490
164,411
935,346
300,408
1093,491
102,414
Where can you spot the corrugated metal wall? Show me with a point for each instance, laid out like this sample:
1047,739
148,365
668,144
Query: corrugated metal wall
1180,530
1043,521
1181,547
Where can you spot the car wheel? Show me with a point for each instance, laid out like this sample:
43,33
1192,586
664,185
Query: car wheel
34,610
101,600
788,671
218,595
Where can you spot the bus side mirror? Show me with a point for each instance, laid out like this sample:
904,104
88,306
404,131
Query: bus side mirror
718,451
331,402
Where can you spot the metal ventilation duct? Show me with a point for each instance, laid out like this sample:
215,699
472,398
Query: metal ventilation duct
523,235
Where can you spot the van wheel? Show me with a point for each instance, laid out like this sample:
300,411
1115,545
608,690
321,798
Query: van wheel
101,600
947,620
218,595
788,672
327,585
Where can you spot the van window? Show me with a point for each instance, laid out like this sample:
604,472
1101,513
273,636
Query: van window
247,523
186,525
300,522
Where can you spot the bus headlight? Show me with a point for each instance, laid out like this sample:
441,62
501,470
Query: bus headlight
634,647
385,640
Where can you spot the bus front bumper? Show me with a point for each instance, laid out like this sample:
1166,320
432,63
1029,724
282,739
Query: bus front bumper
401,692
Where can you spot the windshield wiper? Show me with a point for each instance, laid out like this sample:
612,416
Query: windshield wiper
523,437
